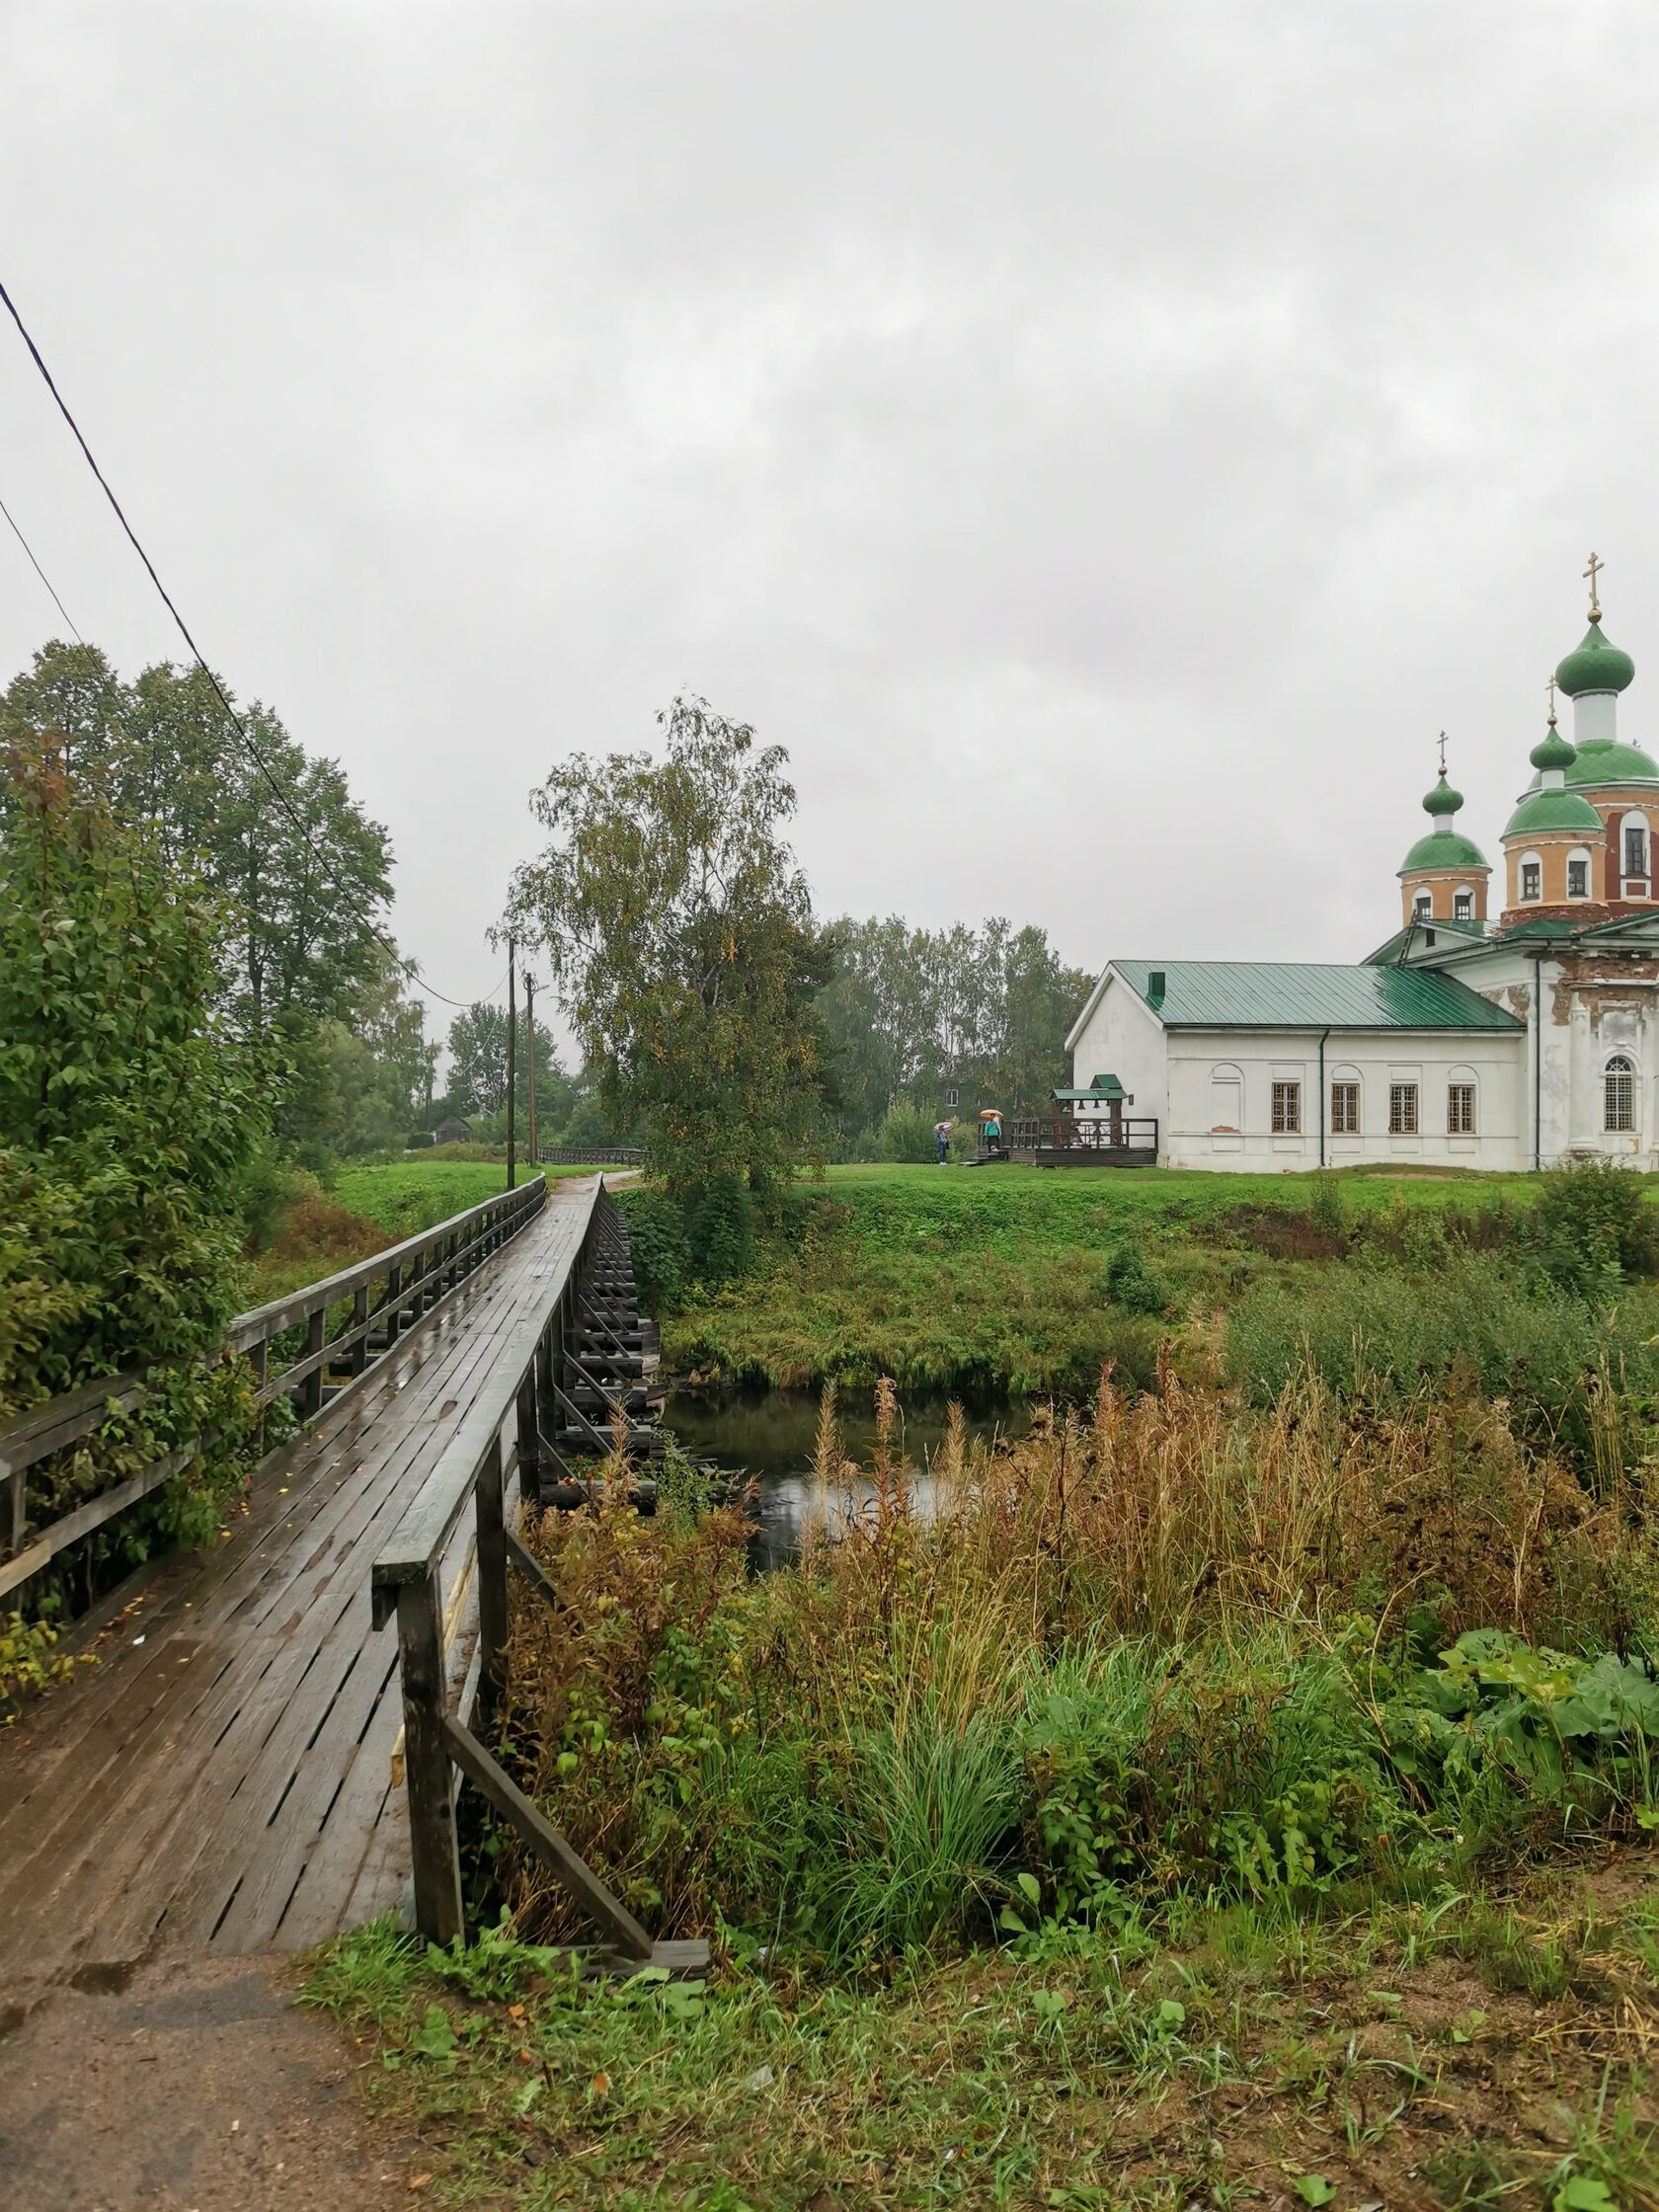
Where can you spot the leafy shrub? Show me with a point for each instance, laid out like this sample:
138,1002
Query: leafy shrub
1591,1228
134,1120
1127,1278
905,1134
720,1230
660,1248
1326,1207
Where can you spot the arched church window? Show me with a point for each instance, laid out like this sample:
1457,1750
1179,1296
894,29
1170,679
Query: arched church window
1632,842
1578,874
1422,905
1462,905
1619,1085
1532,877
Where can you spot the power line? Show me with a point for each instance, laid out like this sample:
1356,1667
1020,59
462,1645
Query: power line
40,571
241,727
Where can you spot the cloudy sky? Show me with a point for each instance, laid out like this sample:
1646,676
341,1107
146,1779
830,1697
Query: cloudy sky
1105,444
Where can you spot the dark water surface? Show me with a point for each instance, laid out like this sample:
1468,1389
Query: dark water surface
771,1437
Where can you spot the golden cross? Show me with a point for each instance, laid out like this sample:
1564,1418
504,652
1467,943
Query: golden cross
1551,688
1590,572
1443,753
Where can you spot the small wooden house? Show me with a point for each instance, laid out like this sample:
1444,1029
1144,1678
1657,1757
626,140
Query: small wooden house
453,1131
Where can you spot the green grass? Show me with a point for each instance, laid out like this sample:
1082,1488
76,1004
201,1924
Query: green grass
1231,2056
989,1279
411,1195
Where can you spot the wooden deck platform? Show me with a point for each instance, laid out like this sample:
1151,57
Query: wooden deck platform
223,1777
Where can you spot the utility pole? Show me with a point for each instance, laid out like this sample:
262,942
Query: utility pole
534,1153
512,1070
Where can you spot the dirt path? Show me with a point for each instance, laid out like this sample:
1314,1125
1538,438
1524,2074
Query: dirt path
197,2088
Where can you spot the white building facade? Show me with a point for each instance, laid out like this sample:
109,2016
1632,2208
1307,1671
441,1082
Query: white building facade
1515,1041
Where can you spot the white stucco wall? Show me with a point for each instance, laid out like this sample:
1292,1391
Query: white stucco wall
1122,1037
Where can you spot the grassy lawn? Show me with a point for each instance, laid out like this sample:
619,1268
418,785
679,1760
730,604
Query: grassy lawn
1471,2050
370,1208
989,1279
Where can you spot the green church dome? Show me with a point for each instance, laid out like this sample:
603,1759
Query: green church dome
1443,798
1606,761
1442,848
1596,665
1554,810
1553,750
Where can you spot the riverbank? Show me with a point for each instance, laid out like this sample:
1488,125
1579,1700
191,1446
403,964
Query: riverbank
1013,1280
1194,1804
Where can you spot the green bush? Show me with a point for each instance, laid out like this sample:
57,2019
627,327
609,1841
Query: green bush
1591,1230
906,1135
660,1248
1127,1280
136,1124
720,1231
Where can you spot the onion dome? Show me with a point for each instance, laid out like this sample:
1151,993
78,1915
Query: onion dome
1543,811
1444,846
1553,750
1596,665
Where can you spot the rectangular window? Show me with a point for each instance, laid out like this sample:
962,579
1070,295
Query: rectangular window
1460,1109
1621,1098
1402,1109
1635,851
1462,906
1287,1109
1578,879
950,1098
1531,885
1345,1109
1422,905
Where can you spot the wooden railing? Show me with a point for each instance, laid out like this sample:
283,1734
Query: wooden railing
590,1156
499,1455
1101,1133
388,1295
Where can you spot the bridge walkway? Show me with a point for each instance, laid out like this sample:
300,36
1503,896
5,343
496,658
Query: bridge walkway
223,1780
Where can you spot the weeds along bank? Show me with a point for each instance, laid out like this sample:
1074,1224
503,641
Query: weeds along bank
1194,1803
1010,1279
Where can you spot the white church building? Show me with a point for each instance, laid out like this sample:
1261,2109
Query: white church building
1516,1039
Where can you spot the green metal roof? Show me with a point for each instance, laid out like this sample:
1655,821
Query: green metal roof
1596,665
1103,1086
1607,760
1303,994
1443,848
1555,809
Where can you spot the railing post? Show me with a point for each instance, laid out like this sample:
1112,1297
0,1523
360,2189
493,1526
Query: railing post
311,1389
394,1301
434,1847
359,1321
259,1359
490,1507
530,1435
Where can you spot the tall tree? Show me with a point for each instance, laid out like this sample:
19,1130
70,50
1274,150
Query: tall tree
678,933
303,870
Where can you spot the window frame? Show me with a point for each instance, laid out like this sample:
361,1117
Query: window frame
1620,1119
1462,1112
1341,1125
1633,836
1404,1109
1462,904
1422,905
1285,1112
1530,871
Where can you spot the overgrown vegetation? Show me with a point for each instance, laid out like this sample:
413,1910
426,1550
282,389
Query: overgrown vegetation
1190,1804
134,1113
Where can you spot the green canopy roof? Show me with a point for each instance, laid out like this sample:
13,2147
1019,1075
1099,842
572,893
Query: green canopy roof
1104,1086
1554,810
1443,848
1609,760
1596,665
1304,995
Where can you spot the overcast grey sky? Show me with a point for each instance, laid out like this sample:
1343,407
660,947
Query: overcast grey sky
1103,444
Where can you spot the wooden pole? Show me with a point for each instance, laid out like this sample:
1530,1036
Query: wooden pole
530,1064
512,1070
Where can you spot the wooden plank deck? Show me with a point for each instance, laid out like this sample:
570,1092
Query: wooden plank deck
222,1779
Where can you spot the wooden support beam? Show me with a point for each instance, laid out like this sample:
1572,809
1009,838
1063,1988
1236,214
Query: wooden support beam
435,1845
568,1867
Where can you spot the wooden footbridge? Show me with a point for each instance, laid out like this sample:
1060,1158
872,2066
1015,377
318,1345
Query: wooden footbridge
254,1765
